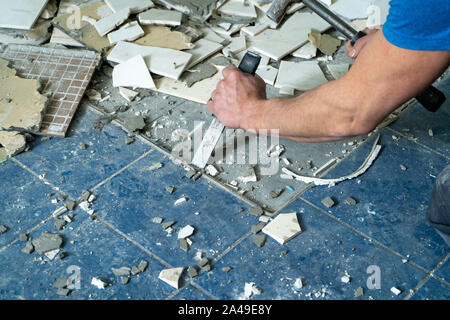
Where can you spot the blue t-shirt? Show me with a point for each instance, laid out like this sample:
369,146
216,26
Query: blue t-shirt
419,24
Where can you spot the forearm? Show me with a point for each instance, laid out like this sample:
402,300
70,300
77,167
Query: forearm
323,114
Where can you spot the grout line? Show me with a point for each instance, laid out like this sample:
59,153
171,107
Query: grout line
371,240
418,143
428,277
121,170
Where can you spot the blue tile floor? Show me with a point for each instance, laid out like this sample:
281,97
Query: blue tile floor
381,242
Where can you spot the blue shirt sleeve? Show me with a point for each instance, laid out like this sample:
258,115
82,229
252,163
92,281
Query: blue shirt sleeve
419,24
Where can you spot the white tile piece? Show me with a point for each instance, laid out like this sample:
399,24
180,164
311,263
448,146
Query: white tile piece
377,13
287,91
264,60
185,232
338,70
135,6
210,35
283,228
268,74
112,21
160,17
277,44
20,14
307,51
240,8
302,76
237,45
253,31
128,95
171,276
133,73
203,50
128,32
165,62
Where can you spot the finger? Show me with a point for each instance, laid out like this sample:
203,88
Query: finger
210,105
228,71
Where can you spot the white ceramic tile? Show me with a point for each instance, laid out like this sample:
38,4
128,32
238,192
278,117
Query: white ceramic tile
307,51
283,228
129,32
302,76
135,6
277,44
112,21
268,74
20,14
166,62
253,31
351,9
238,8
133,73
237,45
203,50
160,17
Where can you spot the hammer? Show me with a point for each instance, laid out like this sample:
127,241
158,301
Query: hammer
431,98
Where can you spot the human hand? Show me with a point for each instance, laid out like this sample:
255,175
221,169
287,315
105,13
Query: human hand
238,99
353,51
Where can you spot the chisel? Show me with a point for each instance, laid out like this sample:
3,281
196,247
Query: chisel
249,64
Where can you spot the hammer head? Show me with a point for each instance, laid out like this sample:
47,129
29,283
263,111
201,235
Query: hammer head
278,9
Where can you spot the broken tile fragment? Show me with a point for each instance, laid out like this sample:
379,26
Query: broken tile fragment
167,224
60,224
125,280
133,73
160,17
324,42
171,276
257,227
259,240
164,37
328,202
29,248
192,271
109,23
396,291
60,283
3,229
143,265
170,189
198,73
283,228
47,242
350,201
154,166
180,201
128,94
135,271
23,237
184,244
256,211
185,232
203,262
13,142
70,205
99,283
359,292
122,271
128,32
135,6
157,220
226,269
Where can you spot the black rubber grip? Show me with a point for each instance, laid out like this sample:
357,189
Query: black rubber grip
250,63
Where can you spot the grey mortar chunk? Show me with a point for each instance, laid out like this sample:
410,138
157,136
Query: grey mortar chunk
60,283
184,245
143,265
226,269
170,189
351,201
23,237
203,262
191,173
192,271
129,140
85,194
256,211
167,224
3,229
157,220
47,242
328,202
258,227
70,205
135,271
125,280
63,292
122,271
259,239
60,224
359,292
29,248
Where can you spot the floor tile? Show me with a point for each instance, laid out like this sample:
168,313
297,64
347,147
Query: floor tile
432,290
24,201
134,197
391,202
65,164
190,293
320,255
93,249
416,121
444,271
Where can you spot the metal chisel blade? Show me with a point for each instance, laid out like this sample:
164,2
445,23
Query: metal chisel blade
209,142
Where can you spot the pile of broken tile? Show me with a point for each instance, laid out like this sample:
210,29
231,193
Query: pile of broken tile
172,46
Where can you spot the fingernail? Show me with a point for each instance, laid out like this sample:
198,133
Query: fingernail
353,53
